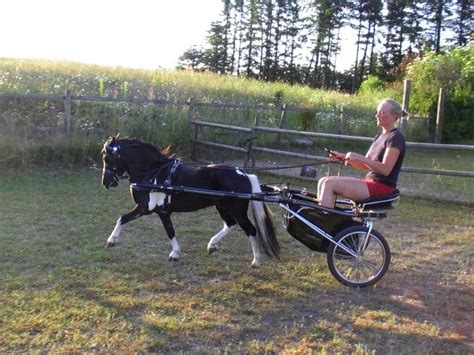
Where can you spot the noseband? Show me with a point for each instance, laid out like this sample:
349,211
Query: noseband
113,152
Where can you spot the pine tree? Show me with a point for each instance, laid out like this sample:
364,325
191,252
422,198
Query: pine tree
462,22
251,39
437,13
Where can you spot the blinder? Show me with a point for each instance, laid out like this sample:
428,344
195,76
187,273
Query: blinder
113,153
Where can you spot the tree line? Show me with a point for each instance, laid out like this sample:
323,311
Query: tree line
299,41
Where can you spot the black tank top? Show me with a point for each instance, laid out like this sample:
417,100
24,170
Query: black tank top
382,141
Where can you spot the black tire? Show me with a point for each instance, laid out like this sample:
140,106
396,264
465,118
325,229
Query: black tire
364,270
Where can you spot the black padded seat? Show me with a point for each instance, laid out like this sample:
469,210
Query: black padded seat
380,203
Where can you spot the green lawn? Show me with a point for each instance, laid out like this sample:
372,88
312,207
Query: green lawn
61,290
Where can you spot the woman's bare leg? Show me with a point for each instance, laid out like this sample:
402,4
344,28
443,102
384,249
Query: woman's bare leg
348,187
320,184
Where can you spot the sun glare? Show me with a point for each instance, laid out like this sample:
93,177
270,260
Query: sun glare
141,34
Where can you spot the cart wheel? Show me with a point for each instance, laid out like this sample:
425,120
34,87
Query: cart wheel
364,270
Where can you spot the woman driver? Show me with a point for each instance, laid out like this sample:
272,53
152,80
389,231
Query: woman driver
383,162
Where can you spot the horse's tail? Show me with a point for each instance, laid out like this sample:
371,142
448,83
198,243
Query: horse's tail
263,217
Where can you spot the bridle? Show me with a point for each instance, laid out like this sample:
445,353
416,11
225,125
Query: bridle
113,154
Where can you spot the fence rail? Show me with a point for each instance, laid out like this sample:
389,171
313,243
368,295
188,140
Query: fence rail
252,146
281,109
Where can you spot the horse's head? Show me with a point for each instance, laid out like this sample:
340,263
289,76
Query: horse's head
113,165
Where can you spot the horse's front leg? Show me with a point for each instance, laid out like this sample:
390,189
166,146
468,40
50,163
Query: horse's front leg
130,216
166,220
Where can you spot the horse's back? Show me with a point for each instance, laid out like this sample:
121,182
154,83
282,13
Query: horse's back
210,177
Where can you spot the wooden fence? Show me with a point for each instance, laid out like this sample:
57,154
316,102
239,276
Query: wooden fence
252,146
280,110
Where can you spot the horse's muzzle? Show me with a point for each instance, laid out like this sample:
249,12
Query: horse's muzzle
110,179
113,183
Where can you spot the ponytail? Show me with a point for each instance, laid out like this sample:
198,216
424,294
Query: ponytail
395,108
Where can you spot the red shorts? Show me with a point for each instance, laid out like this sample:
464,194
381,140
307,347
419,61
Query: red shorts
377,189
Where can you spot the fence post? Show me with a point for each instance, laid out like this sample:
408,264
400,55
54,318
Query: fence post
440,116
342,122
190,109
67,114
256,121
193,149
281,122
405,105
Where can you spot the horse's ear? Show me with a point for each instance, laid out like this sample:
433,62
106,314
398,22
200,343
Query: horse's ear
167,150
117,136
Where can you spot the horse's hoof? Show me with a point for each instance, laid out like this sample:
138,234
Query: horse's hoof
255,266
212,249
173,259
111,244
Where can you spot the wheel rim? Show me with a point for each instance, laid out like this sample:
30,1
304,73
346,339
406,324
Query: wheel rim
364,268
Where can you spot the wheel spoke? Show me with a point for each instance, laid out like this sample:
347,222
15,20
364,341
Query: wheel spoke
365,269
369,264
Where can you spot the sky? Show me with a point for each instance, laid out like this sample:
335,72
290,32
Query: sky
148,34
145,34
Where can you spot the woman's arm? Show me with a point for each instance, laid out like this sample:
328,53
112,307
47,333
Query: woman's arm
363,163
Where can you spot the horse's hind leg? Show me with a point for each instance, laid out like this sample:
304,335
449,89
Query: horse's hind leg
166,220
114,236
229,226
251,232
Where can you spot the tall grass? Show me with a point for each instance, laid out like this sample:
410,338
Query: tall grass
31,129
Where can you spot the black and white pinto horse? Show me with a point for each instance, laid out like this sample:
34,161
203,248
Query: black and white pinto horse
146,164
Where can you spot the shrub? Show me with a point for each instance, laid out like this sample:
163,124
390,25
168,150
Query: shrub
453,71
372,84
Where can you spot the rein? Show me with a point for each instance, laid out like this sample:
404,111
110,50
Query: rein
175,164
290,166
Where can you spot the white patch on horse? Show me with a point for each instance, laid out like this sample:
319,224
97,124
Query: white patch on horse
174,255
240,172
114,236
211,246
256,251
156,199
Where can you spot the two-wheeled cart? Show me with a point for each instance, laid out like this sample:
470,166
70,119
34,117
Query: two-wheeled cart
357,255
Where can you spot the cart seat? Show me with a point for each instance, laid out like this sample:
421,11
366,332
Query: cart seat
382,203
386,202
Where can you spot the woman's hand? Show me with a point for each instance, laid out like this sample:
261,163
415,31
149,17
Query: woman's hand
357,161
363,163
334,156
354,157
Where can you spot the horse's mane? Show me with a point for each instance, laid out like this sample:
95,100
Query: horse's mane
131,141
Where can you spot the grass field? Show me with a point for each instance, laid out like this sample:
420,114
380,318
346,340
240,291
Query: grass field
61,290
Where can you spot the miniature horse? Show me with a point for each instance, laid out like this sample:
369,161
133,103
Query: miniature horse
146,164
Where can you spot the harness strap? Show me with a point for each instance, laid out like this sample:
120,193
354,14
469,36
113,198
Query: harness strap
167,182
172,172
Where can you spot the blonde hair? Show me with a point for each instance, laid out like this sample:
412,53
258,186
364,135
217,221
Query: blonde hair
394,108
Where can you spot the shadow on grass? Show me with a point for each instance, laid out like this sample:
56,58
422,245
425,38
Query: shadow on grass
131,298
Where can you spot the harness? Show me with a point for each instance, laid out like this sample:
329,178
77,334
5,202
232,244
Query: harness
167,181
172,171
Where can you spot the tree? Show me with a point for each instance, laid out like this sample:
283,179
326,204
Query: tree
194,58
218,56
461,24
366,16
323,25
454,71
251,38
437,13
